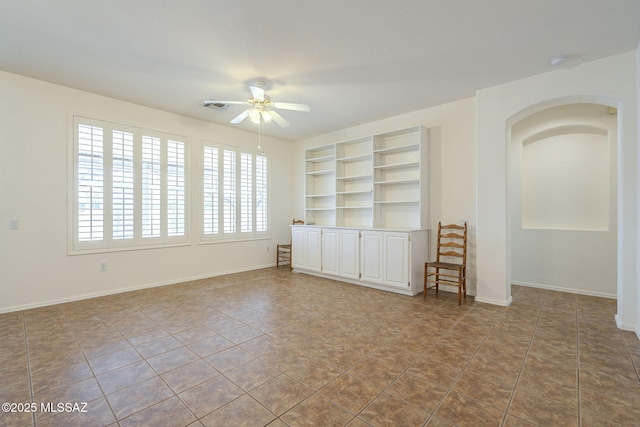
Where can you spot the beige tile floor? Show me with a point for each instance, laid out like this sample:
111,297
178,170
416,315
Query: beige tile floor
270,347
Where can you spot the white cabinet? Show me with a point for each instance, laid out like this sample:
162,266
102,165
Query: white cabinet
371,256
349,254
378,181
395,261
389,260
386,258
306,249
330,251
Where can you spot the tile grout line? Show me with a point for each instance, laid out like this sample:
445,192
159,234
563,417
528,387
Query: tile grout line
66,319
404,372
26,344
635,367
524,360
578,364
355,416
457,378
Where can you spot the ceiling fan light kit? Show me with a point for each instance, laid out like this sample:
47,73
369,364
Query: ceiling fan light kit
261,109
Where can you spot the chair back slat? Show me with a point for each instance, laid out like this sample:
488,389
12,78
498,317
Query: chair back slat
453,227
453,236
452,243
451,253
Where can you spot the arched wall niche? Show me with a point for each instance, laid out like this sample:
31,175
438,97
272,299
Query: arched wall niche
562,200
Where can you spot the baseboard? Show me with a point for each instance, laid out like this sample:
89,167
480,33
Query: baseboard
123,290
627,327
501,303
563,289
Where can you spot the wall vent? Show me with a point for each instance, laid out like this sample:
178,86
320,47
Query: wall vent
216,105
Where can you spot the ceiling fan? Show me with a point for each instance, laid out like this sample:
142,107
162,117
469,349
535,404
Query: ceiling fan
261,107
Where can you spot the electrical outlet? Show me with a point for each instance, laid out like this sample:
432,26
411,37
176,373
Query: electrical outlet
14,224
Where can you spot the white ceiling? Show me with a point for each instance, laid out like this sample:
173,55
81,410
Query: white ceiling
352,61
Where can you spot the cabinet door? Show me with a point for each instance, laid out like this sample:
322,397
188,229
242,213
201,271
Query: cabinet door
298,247
330,263
396,260
371,256
349,254
313,249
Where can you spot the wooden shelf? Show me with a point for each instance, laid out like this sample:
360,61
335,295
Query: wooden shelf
313,196
322,172
358,158
406,165
397,182
321,159
396,202
354,177
354,192
400,149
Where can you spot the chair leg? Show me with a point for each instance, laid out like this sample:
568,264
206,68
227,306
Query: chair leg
464,283
425,280
460,284
437,279
278,256
464,286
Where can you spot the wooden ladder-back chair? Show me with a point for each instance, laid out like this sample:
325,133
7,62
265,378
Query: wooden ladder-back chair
452,243
283,251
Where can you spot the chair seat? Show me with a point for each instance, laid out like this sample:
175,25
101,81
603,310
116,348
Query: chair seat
446,265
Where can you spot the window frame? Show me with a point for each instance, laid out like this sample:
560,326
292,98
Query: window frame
238,235
109,243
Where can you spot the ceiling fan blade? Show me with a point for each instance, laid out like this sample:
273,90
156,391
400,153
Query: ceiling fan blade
257,93
290,106
215,101
279,119
240,117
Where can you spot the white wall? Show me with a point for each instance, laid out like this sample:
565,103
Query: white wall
35,137
451,165
637,187
609,81
566,242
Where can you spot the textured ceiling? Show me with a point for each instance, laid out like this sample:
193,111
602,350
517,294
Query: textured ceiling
352,61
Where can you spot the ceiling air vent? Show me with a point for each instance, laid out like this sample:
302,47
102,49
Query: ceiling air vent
216,105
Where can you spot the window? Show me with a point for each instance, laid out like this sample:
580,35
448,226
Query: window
129,187
235,193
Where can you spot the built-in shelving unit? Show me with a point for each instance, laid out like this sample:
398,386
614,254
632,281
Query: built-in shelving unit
377,181
354,190
320,190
